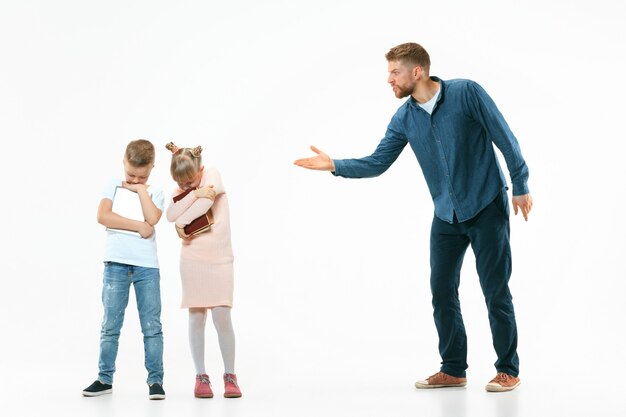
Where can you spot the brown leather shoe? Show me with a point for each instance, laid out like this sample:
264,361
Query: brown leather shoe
441,380
503,382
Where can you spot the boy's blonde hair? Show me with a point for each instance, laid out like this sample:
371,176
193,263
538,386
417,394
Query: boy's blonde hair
140,153
186,162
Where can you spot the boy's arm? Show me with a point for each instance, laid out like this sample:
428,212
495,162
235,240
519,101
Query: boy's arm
108,218
151,212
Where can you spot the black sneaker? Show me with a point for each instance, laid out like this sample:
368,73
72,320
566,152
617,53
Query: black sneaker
156,392
97,388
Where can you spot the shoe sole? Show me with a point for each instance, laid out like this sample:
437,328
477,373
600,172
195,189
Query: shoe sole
499,388
420,385
157,397
203,395
97,394
232,395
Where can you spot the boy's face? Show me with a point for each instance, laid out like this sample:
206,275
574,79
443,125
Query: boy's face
136,175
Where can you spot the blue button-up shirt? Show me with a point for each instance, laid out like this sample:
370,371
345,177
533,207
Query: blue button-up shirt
453,146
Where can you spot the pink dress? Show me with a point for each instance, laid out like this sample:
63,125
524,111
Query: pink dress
206,261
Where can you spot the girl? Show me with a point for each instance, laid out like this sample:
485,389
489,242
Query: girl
206,263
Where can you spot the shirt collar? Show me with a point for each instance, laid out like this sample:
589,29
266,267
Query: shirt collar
414,103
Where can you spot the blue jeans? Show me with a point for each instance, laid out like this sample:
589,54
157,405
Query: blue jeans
115,290
488,234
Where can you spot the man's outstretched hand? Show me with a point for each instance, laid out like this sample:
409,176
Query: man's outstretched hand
320,162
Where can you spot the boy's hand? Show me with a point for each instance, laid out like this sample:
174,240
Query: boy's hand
205,192
133,187
145,230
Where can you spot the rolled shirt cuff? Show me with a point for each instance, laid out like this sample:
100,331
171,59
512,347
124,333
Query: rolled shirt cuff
520,188
338,167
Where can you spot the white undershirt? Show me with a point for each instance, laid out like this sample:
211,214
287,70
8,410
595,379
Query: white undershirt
430,104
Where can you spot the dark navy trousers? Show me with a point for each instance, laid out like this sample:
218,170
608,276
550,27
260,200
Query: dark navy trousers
488,234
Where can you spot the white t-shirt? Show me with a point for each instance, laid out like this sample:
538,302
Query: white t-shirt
430,104
130,249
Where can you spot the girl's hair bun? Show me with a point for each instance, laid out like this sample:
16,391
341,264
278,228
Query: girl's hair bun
197,151
171,147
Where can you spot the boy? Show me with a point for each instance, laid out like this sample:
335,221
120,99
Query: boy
131,258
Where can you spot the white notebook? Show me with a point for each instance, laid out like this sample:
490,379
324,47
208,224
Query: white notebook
126,203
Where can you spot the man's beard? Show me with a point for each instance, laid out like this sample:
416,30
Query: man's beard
403,92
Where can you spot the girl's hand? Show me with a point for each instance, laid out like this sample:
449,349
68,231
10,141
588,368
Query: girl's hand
205,192
145,230
181,233
133,187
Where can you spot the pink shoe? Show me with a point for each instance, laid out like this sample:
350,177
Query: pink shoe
231,388
203,387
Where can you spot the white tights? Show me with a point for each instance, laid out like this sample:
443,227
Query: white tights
225,335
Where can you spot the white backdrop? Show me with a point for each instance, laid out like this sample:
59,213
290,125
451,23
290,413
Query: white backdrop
332,304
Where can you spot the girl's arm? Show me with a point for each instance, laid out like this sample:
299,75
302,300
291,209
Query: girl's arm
200,206
177,209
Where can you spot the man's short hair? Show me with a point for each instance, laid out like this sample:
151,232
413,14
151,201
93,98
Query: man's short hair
410,54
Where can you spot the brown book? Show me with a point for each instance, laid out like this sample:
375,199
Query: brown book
199,225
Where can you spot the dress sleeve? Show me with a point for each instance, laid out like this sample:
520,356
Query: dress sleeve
194,207
177,209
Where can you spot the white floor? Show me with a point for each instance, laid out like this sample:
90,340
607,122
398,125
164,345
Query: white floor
338,395
296,357
326,374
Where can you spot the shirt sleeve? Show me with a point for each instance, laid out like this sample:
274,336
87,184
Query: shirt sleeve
385,154
109,189
485,111
158,199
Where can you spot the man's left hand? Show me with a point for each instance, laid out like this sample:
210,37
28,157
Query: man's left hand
524,203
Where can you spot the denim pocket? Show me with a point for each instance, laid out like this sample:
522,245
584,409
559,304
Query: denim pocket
502,203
